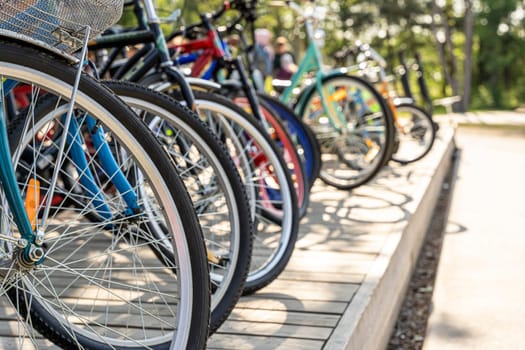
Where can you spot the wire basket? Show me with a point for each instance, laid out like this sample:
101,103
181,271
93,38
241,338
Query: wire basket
59,23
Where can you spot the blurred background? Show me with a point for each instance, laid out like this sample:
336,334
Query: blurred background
469,48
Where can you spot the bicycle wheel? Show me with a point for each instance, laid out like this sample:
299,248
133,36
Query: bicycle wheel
214,185
355,133
284,142
416,133
99,284
304,139
269,187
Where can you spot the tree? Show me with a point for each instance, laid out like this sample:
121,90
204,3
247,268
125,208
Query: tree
442,31
467,63
500,39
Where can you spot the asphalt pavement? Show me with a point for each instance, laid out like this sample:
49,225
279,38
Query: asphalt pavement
479,295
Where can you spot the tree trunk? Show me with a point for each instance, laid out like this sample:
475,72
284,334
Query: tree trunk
452,60
439,43
467,65
445,48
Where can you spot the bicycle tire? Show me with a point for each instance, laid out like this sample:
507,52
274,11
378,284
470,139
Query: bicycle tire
416,133
241,133
302,134
51,74
224,213
353,153
280,135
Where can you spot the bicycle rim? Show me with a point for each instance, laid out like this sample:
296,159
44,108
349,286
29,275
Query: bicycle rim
303,137
416,133
283,140
267,181
355,134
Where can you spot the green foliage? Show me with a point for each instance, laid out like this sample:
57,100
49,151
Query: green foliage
500,54
164,9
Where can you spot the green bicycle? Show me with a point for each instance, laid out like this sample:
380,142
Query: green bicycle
349,117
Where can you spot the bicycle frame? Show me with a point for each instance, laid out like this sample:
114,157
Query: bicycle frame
154,53
211,47
213,52
107,160
312,61
8,177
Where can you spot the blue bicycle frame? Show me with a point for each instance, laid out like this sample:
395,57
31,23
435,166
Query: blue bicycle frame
77,153
8,177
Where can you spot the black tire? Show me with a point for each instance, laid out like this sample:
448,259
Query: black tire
182,122
52,74
244,125
284,141
416,133
354,154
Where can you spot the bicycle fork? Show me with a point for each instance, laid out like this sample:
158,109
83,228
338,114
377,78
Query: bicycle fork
28,243
26,210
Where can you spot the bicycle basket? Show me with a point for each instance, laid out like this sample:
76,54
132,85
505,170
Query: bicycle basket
59,23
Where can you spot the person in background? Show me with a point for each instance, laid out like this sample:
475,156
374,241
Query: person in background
284,62
263,52
262,59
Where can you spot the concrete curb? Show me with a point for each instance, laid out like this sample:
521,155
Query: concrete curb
369,319
484,118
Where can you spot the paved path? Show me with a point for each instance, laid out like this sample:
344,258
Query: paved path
479,297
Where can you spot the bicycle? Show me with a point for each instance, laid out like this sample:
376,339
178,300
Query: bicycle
415,131
302,136
54,258
228,270
348,116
